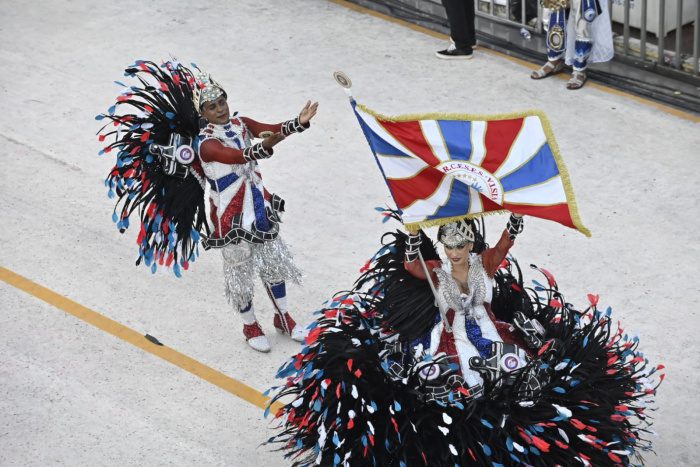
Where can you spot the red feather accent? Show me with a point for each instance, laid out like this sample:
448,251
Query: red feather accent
593,299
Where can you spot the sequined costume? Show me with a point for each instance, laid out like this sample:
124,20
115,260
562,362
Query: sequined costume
244,214
241,208
580,34
469,312
381,383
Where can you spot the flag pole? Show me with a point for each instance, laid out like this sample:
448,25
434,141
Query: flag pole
438,303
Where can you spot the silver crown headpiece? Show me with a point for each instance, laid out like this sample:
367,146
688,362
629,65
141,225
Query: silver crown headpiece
456,234
206,90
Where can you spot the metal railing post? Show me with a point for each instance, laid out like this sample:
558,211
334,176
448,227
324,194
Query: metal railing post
626,29
696,41
679,33
643,34
660,34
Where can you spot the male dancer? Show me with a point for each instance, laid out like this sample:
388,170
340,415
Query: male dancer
244,214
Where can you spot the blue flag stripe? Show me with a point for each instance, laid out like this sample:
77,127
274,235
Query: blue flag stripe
457,203
458,138
367,131
540,168
382,147
377,143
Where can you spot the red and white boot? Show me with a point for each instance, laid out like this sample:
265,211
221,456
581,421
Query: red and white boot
255,337
284,324
282,321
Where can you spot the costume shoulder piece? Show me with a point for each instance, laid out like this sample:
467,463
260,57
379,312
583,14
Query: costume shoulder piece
154,129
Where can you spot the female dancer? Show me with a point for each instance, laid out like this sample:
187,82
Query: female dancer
496,374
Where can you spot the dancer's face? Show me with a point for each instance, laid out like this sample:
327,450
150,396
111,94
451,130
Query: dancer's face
459,256
216,111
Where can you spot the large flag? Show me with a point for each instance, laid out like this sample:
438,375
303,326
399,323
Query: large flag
443,167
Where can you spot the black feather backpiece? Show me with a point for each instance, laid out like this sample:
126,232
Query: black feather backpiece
171,209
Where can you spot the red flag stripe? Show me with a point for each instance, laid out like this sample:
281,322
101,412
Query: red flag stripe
421,186
410,135
499,138
557,212
488,205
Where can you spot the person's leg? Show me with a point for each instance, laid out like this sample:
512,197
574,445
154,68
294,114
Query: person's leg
254,335
283,321
238,282
276,267
470,22
582,47
457,16
461,32
556,45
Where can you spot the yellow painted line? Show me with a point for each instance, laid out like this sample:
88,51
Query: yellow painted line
207,373
664,108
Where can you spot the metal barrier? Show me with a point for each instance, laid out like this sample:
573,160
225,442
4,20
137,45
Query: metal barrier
634,22
686,12
506,11
632,44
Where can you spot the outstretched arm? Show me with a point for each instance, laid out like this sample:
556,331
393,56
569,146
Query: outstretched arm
296,125
493,257
211,150
412,262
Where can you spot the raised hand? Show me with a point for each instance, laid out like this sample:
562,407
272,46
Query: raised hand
307,112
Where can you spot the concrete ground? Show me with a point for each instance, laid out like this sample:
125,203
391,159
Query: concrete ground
71,394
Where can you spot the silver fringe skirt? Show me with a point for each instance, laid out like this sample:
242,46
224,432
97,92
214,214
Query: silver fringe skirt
272,261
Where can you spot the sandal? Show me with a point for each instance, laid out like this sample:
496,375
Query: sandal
578,79
548,69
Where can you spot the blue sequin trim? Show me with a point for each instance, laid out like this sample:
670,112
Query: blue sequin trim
424,339
261,221
278,290
482,344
